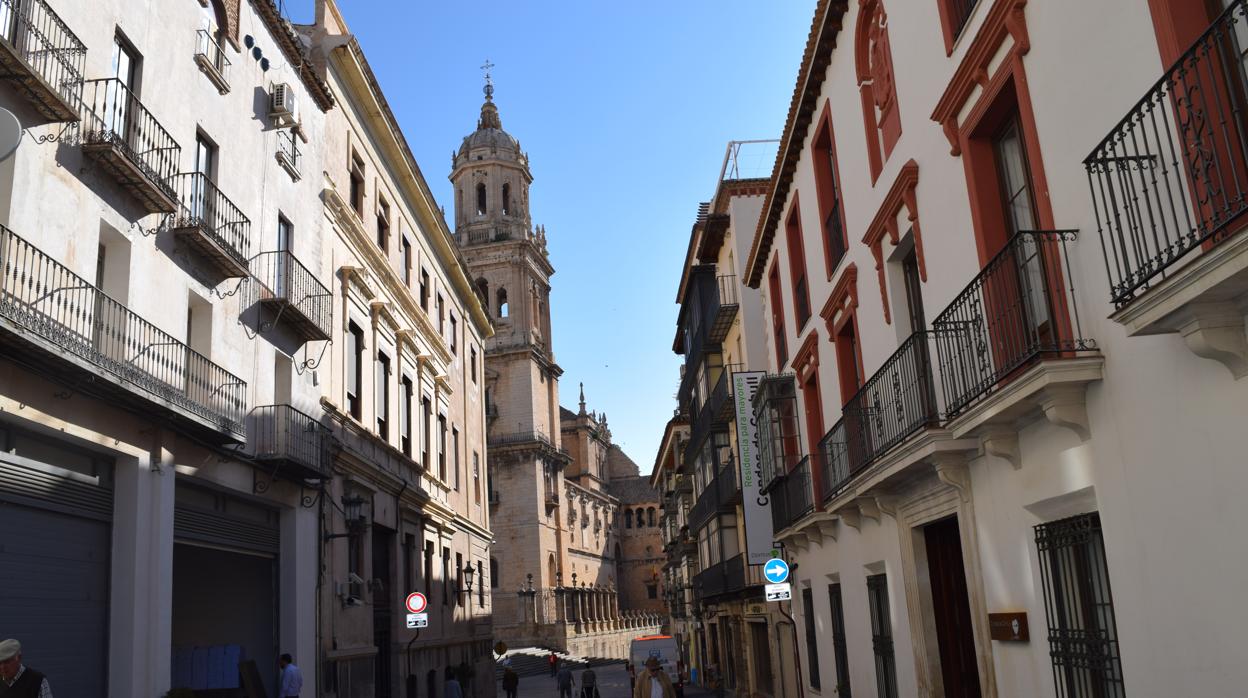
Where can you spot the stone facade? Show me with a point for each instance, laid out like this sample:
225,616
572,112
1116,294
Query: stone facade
405,391
556,520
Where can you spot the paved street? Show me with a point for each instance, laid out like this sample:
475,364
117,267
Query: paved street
612,683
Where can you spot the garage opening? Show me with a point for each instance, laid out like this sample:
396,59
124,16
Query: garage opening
225,601
56,502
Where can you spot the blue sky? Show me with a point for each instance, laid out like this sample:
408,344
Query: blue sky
625,110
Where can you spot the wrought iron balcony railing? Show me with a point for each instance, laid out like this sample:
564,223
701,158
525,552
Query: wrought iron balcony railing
296,443
293,294
895,402
288,154
1172,175
42,58
709,306
726,577
1020,307
779,429
520,438
130,144
211,57
792,496
209,222
57,317
723,308
718,495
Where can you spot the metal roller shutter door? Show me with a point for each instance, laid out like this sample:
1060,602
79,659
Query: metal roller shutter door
55,573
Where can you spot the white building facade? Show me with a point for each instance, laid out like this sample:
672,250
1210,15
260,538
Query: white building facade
168,297
1005,322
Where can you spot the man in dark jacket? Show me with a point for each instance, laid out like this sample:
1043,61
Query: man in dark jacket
18,680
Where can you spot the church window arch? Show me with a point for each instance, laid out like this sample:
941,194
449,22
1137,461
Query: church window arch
503,309
481,199
628,518
459,200
506,199
493,573
550,570
483,291
641,517
650,517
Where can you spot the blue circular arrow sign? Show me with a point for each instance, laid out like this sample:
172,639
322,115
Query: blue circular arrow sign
776,570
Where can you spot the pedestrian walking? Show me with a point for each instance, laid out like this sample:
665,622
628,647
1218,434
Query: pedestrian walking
564,681
553,661
511,682
654,682
632,677
589,684
452,688
19,680
292,679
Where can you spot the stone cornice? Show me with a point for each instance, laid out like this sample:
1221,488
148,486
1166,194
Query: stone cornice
902,193
1006,18
357,277
842,301
363,89
379,267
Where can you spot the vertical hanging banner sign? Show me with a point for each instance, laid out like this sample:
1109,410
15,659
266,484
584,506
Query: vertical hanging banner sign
758,542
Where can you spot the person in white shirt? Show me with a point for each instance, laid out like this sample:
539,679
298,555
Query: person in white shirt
654,683
292,678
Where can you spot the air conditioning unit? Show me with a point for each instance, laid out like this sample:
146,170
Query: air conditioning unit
283,106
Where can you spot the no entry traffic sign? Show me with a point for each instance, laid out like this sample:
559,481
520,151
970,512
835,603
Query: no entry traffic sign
416,602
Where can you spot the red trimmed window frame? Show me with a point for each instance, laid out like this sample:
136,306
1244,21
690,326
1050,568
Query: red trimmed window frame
840,315
806,366
828,189
883,127
949,27
799,281
776,302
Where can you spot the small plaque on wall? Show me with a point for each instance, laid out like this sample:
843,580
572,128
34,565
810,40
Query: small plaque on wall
1008,627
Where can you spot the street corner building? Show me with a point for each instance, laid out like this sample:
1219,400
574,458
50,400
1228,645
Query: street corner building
242,407
576,559
1001,330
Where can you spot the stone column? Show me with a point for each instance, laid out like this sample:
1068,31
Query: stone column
580,608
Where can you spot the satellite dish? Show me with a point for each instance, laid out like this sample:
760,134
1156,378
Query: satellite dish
10,133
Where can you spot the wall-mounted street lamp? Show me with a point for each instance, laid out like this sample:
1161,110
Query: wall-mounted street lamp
468,572
353,513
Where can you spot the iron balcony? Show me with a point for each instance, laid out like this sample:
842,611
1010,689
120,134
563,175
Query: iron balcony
791,496
729,576
295,444
706,313
896,402
1171,178
209,223
720,495
211,58
1019,308
292,295
41,58
53,321
130,144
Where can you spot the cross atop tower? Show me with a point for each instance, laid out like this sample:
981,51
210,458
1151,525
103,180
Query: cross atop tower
489,81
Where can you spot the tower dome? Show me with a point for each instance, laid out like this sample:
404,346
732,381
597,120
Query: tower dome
490,133
491,177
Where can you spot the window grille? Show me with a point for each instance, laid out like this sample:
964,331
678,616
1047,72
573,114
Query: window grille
882,637
1083,635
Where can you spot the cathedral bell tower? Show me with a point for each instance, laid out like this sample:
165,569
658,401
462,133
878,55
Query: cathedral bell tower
492,226
508,262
